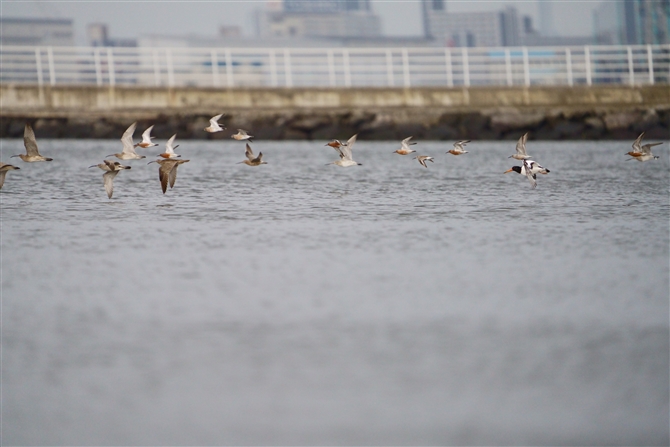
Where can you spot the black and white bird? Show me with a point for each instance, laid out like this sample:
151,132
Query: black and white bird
530,169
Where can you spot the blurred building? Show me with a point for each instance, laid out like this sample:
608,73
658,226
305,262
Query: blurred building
634,22
546,15
320,19
98,36
39,32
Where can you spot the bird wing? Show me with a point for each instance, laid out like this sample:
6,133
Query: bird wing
637,143
405,143
215,119
168,146
110,165
529,174
242,132
172,175
259,159
521,144
163,174
2,178
249,153
29,140
108,178
460,144
127,139
646,149
345,149
146,135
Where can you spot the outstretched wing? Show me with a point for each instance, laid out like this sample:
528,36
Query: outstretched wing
168,146
172,176
521,144
163,174
405,143
214,121
646,149
146,135
249,153
529,175
108,178
637,143
127,139
345,149
29,141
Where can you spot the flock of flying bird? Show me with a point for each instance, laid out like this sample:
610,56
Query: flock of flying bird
168,161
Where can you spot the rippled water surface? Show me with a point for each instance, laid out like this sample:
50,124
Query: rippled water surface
299,303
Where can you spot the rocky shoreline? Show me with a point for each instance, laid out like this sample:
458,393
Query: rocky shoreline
371,125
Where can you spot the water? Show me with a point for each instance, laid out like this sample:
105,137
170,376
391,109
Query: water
298,303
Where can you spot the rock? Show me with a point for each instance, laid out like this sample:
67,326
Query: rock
621,120
515,120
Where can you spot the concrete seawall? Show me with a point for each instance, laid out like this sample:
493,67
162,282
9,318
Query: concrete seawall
598,112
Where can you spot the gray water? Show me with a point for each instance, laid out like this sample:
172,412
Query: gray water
298,303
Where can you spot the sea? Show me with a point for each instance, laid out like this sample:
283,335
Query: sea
301,303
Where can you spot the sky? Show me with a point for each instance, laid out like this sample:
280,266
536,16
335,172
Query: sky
132,18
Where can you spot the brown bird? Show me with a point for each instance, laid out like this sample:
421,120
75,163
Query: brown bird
423,158
251,159
642,153
405,147
167,173
458,148
29,141
4,168
214,125
112,169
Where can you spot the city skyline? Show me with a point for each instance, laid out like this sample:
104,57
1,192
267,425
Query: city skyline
398,18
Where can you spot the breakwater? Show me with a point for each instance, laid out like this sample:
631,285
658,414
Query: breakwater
548,112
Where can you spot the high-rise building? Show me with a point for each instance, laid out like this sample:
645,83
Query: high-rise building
634,22
324,19
546,15
27,31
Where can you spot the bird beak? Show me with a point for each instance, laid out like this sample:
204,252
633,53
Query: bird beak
509,170
92,166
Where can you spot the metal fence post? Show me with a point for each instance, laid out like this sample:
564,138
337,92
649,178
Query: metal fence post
466,66
651,65
631,69
215,68
347,67
98,68
52,69
110,67
287,68
273,68
508,67
450,68
331,68
587,61
389,68
38,63
568,65
405,68
526,67
170,67
229,68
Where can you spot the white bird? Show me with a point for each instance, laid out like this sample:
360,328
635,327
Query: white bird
4,168
128,152
642,153
405,147
252,160
29,141
146,139
167,172
530,169
458,148
242,135
112,169
423,158
521,149
169,149
344,149
214,126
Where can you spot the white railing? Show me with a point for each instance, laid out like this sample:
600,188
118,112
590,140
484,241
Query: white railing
335,67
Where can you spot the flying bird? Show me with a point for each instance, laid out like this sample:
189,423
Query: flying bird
344,149
458,148
423,159
128,152
167,172
521,149
146,139
242,135
530,169
169,149
214,125
405,147
252,160
111,168
642,153
4,168
29,141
